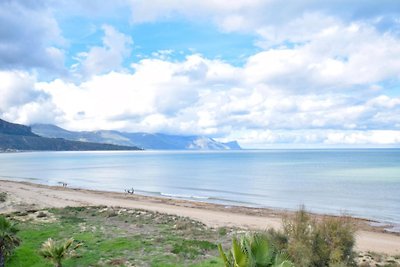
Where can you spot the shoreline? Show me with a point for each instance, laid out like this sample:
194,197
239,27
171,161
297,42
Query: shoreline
369,237
232,206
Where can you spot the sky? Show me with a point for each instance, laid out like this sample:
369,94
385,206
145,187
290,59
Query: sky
267,73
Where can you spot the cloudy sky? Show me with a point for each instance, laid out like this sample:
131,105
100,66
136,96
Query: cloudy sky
267,73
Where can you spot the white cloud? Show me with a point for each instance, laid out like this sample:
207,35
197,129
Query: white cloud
155,92
202,96
30,37
164,96
253,15
316,138
21,102
16,88
338,57
377,137
106,58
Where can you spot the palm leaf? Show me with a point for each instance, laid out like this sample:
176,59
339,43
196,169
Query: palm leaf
8,238
281,260
285,264
240,257
261,250
57,252
223,256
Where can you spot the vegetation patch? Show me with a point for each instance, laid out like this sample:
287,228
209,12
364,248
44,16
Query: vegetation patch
191,249
126,238
3,197
34,216
328,242
131,237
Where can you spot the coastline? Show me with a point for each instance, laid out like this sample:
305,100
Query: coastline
37,196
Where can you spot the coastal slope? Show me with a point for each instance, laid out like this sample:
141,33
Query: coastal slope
17,137
157,141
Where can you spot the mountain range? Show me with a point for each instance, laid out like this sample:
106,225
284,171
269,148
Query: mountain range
156,141
15,137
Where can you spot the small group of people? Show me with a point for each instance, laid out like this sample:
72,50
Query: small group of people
130,191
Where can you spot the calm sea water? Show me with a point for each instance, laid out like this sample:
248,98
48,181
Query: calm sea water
363,183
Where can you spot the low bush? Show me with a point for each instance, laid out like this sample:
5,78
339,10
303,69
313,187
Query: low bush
8,239
222,231
304,242
327,242
3,196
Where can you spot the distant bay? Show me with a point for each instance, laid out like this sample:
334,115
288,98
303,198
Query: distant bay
360,182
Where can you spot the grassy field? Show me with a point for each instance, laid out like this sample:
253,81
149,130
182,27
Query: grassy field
118,237
127,237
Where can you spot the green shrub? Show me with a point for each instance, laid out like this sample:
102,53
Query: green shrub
3,196
328,242
299,230
278,240
8,239
334,239
222,231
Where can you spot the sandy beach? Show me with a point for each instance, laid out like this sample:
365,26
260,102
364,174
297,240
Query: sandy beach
23,195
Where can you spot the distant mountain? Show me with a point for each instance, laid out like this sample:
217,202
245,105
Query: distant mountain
20,137
142,140
15,129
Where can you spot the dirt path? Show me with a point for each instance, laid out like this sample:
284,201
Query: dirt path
23,194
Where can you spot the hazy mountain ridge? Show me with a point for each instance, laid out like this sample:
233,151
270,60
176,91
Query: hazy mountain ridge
20,137
15,129
140,139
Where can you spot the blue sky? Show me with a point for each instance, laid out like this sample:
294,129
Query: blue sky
181,37
266,73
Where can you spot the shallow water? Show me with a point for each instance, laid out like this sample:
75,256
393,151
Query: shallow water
363,183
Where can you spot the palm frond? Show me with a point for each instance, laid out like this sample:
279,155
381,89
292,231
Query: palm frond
239,254
56,252
223,256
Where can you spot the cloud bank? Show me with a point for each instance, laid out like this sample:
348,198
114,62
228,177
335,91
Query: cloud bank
322,75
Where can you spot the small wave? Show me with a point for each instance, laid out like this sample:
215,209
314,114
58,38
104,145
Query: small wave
393,228
217,200
21,178
234,202
389,227
236,193
183,196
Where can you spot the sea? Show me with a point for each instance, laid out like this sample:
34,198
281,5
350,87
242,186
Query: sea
362,183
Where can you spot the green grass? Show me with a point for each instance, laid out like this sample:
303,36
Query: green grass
191,248
32,237
118,238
